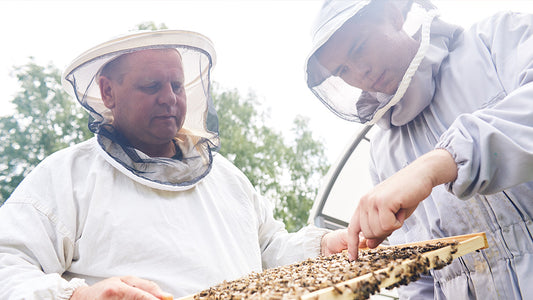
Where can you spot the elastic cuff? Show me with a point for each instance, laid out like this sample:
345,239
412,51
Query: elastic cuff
312,246
70,287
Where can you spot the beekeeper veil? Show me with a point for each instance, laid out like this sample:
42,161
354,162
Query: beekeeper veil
344,100
195,141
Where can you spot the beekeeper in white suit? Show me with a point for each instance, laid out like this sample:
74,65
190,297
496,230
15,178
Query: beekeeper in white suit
145,208
454,150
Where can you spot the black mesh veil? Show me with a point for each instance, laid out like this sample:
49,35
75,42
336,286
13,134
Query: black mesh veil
198,137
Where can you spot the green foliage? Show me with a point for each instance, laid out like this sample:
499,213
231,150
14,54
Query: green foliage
286,173
46,119
307,164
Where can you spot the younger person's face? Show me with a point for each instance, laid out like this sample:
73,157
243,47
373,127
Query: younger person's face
370,52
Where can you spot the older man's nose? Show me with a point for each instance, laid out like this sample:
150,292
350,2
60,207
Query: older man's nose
167,95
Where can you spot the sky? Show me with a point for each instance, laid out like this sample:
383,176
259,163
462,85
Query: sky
261,45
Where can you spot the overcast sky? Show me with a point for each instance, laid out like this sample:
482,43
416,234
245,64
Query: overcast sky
261,45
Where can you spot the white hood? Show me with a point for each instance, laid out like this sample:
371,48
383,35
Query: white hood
344,100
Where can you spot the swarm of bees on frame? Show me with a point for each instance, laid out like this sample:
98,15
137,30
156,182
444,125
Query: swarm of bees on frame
291,282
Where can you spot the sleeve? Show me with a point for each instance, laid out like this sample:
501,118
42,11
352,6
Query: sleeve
35,249
279,247
493,147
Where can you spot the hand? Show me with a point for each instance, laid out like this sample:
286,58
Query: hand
337,241
127,287
388,204
334,242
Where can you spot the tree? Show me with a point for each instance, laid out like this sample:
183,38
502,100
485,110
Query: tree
46,119
286,173
306,165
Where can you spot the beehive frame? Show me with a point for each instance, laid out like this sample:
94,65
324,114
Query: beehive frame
345,290
401,273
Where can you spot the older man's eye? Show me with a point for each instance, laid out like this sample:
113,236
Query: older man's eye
177,87
150,89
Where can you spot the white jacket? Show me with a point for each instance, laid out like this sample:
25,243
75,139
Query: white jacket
76,219
481,111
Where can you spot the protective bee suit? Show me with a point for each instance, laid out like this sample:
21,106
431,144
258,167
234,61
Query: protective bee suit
102,208
469,92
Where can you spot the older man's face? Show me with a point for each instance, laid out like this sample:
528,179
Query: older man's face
149,105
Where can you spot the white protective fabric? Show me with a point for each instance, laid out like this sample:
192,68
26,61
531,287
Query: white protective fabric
77,218
480,110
